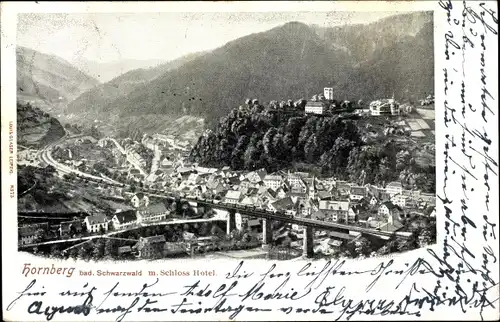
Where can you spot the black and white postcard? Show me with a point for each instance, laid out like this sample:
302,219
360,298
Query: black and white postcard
189,161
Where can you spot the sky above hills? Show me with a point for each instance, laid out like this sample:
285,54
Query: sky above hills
111,37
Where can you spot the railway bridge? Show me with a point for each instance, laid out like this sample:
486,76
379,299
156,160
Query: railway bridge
268,216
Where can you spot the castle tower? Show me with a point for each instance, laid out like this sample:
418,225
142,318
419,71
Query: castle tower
328,93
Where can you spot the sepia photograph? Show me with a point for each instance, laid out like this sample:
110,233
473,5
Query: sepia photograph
231,135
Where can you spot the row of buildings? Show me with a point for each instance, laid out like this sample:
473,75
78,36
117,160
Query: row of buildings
294,193
145,213
98,223
297,194
322,104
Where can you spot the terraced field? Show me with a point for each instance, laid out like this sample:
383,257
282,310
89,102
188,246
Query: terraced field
422,124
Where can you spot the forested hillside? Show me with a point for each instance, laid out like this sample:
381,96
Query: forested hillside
253,137
99,99
36,128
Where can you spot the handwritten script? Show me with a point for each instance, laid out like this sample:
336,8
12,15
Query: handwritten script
470,128
314,288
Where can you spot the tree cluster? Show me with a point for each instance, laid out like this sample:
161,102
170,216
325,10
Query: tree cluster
38,184
254,138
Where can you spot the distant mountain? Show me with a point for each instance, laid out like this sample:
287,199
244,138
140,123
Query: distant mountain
98,99
390,56
105,72
48,78
404,68
285,61
362,41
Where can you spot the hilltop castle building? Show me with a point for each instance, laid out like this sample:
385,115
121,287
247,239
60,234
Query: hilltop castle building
328,93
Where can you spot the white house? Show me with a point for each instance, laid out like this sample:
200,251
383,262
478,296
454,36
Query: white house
384,107
294,179
343,188
139,200
373,201
414,194
298,187
273,181
328,93
341,205
286,204
394,188
27,234
256,176
315,108
166,164
155,212
152,246
400,200
249,201
124,219
232,197
124,250
389,210
96,223
357,193
329,182
336,209
280,193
